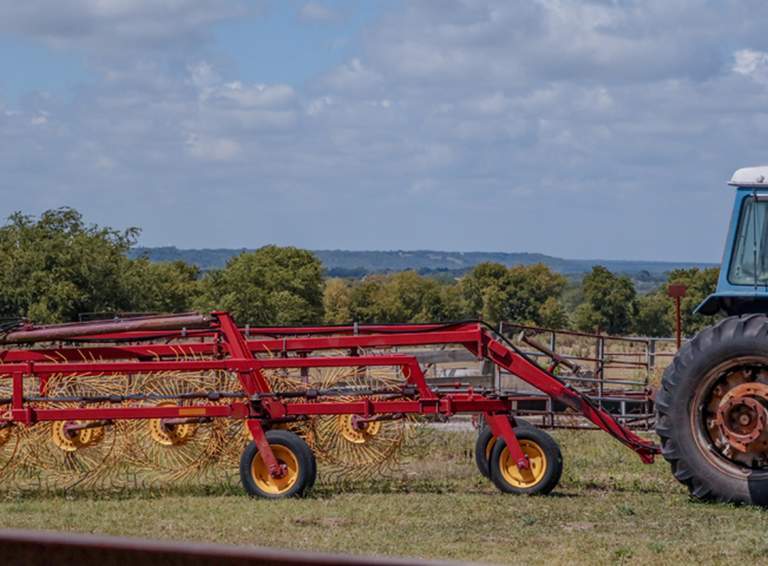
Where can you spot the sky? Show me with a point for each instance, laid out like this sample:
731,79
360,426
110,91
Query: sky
576,128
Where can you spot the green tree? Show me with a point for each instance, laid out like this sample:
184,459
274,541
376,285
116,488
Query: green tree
273,285
454,305
518,294
654,315
609,303
552,314
55,267
162,287
337,298
400,297
484,290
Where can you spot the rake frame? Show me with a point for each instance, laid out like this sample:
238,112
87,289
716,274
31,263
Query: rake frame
121,348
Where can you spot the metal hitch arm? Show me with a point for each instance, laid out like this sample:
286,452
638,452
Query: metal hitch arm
506,356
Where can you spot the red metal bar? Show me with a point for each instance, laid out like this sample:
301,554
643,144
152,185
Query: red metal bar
501,428
529,372
31,333
276,470
137,412
260,346
229,350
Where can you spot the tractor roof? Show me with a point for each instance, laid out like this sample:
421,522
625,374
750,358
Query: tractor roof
750,177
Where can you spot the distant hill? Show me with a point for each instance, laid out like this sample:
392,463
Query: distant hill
359,263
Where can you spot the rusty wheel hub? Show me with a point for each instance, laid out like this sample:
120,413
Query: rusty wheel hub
737,416
742,420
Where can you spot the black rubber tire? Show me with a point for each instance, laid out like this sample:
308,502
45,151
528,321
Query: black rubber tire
745,336
484,445
307,465
551,452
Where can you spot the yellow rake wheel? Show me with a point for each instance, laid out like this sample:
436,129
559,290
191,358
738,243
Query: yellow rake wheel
349,446
65,454
522,479
295,457
544,459
166,450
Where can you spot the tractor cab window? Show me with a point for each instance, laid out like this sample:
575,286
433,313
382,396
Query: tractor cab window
749,265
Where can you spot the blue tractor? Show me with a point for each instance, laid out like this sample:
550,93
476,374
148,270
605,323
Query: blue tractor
712,407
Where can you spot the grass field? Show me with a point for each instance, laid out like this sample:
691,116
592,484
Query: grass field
609,509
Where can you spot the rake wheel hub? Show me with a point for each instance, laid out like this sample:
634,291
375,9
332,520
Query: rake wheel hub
68,437
171,434
5,435
356,430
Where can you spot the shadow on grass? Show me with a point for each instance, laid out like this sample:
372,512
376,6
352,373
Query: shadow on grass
609,487
324,489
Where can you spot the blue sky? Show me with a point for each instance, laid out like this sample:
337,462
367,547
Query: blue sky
584,129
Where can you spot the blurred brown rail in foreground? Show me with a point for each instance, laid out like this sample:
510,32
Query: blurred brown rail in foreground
44,548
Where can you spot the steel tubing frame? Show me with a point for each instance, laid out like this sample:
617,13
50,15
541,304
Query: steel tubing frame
231,349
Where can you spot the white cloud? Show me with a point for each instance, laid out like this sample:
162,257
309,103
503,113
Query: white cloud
40,119
213,149
105,30
602,117
352,76
751,63
316,12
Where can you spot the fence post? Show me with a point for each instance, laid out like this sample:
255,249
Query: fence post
599,366
651,354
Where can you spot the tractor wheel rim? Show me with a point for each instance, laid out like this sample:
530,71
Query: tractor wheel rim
709,405
263,479
536,471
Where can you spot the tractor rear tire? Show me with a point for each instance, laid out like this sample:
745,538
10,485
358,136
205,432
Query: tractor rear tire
706,473
484,445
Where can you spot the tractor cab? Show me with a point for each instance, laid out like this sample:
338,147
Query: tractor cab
742,287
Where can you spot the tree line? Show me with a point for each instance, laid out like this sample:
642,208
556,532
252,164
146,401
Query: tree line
56,268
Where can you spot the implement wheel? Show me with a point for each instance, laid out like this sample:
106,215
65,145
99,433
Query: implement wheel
484,446
546,464
712,412
293,453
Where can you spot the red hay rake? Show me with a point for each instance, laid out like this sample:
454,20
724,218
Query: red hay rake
199,389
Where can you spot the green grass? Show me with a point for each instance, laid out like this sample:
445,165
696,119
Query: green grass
608,509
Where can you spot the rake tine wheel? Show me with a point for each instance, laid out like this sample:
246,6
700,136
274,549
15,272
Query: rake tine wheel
64,454
174,450
10,436
349,447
